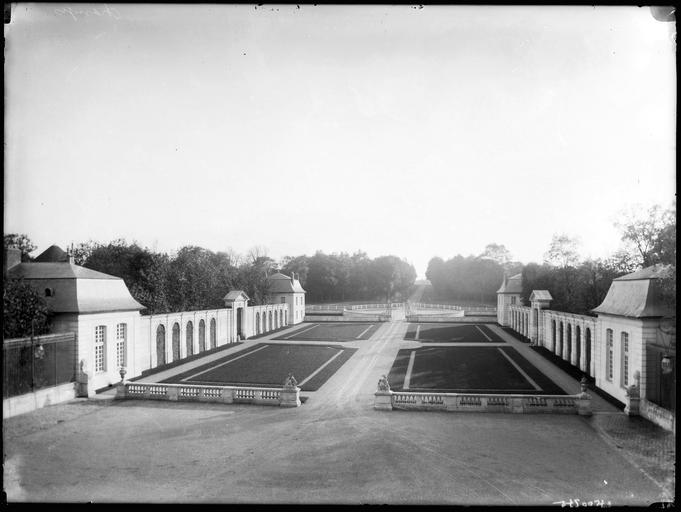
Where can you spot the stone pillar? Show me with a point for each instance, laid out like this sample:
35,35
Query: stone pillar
290,393
634,396
121,389
539,299
383,396
583,400
84,389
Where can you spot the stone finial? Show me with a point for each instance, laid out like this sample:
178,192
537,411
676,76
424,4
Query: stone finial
122,371
583,383
634,391
290,382
383,384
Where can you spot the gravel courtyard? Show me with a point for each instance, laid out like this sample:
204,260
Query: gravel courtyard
333,449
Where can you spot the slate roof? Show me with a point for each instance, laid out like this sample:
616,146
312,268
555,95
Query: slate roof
636,295
76,289
236,295
55,271
652,272
513,284
281,283
540,295
52,254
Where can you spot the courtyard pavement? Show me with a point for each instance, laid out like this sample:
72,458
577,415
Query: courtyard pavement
333,449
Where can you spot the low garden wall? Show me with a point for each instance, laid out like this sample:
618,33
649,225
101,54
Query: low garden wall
452,319
28,402
281,397
343,318
459,402
658,415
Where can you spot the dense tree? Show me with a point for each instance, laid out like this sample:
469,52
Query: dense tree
25,311
21,242
254,273
145,272
470,278
497,253
299,265
652,233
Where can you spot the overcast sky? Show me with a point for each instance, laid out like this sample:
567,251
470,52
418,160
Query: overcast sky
389,129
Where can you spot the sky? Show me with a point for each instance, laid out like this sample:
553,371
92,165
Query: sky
401,130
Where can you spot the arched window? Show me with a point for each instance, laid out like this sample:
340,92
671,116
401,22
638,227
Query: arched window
202,335
264,322
578,346
257,323
269,321
559,350
160,345
587,348
189,337
213,334
569,343
286,317
553,335
176,341
281,318
608,354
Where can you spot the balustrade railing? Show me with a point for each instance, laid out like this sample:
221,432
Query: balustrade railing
219,394
560,404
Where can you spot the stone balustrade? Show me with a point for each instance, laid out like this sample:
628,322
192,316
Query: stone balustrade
286,397
457,402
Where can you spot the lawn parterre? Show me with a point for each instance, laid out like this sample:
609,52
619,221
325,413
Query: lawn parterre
469,370
333,331
451,333
269,364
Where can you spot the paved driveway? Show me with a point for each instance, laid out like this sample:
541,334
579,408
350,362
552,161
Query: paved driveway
333,449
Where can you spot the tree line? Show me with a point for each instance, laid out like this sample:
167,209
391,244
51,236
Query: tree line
345,277
195,278
577,285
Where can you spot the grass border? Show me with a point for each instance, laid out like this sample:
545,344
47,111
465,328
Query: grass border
317,381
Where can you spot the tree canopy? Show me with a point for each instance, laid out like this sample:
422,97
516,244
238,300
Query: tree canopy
25,311
343,277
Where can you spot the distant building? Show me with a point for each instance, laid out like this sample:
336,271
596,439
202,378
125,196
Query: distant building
287,290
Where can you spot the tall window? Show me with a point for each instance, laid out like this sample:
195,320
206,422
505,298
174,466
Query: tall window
608,355
513,299
625,359
283,299
121,333
100,348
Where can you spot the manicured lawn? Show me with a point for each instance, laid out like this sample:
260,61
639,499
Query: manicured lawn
269,365
333,331
452,333
468,370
